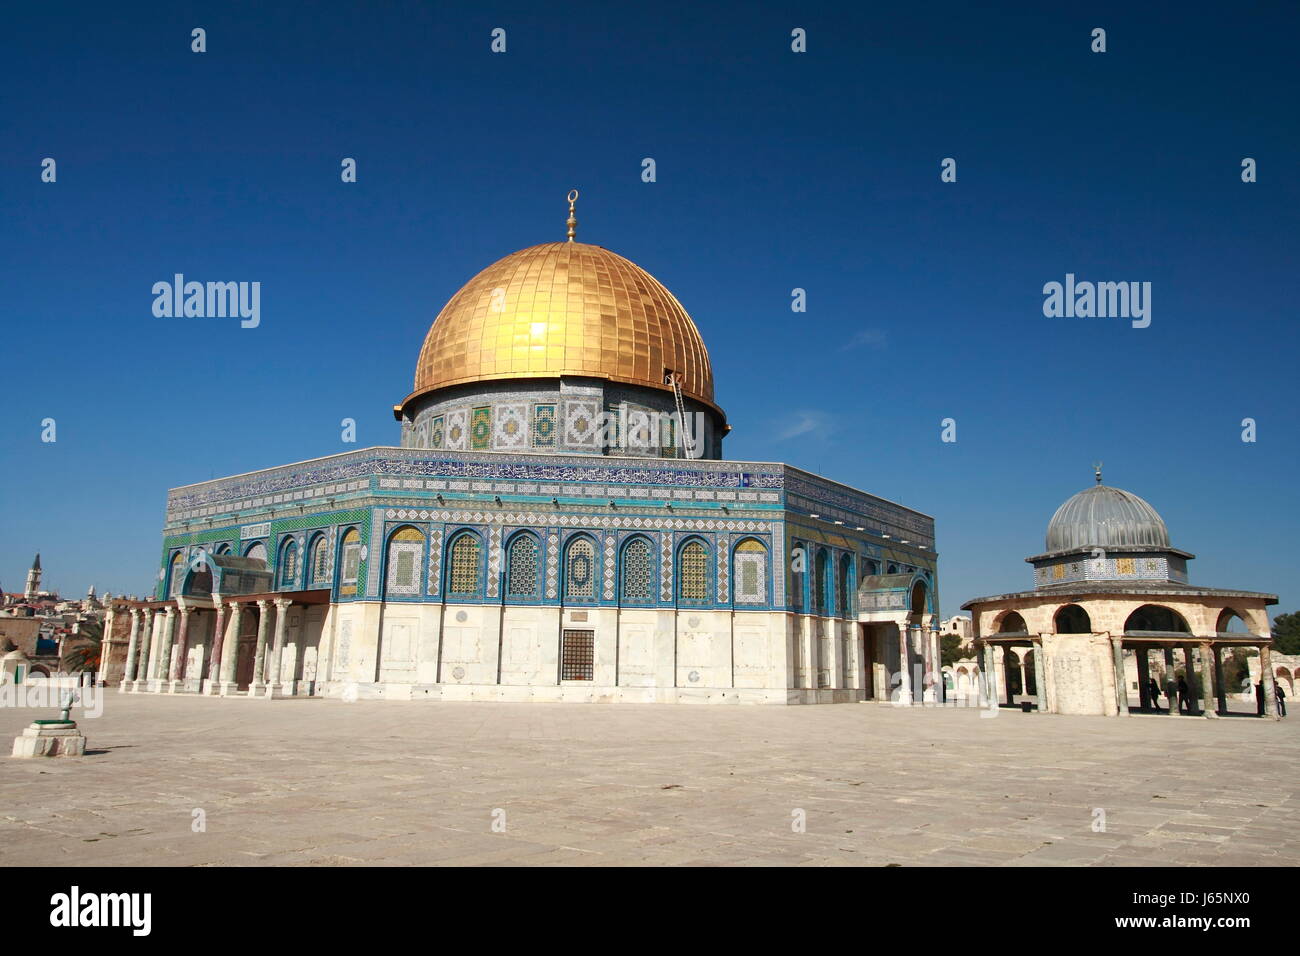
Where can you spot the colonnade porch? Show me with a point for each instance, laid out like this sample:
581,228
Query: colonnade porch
1202,663
225,644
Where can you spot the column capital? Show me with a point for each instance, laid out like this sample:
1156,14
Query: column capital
264,604
283,603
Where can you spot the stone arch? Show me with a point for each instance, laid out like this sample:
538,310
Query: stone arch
1156,617
1226,625
1010,622
1071,619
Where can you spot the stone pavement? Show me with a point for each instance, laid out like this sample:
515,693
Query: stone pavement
371,782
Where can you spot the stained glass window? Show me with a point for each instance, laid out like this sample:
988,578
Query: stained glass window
405,556
289,564
636,570
521,579
750,572
177,575
464,565
257,551
579,570
351,554
693,573
320,562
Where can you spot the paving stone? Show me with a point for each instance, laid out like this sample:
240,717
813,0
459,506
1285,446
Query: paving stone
365,783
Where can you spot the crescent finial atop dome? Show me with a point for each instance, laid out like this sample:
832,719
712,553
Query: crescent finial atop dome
572,221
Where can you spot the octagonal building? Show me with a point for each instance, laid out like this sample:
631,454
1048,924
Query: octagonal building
1111,612
556,522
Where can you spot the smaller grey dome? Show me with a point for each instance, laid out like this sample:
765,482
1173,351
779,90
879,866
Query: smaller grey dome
1106,517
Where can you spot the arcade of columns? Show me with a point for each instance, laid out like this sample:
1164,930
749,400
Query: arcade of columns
161,666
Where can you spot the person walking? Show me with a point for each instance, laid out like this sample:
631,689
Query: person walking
1281,698
1153,691
1184,698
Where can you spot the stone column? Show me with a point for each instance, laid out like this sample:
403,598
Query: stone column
230,649
904,665
1121,691
277,650
1020,662
1144,676
142,659
1171,682
218,642
163,664
936,655
921,637
1218,679
991,674
1189,675
259,657
1207,681
1040,677
128,674
1266,675
1006,673
177,672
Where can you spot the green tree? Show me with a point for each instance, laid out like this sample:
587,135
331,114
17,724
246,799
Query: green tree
85,655
1286,633
951,650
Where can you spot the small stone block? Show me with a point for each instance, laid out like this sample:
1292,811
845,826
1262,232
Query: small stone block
44,738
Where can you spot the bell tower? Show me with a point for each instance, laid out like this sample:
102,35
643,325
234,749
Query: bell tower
33,579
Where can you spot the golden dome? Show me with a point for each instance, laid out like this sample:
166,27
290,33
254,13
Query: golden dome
564,308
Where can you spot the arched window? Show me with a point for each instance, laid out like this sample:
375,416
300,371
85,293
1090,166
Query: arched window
256,551
176,574
349,561
749,575
1230,622
222,548
320,562
693,574
637,574
822,587
289,564
580,570
798,573
405,562
1013,623
1073,619
522,567
844,587
1153,617
463,568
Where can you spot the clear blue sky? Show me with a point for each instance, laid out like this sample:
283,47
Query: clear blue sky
775,170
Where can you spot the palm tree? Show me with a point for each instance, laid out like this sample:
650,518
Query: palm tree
86,655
